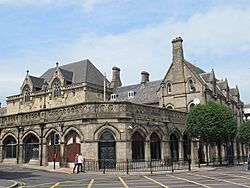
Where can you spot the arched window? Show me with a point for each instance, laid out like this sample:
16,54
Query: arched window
186,147
191,106
169,88
9,147
138,153
26,93
155,146
56,88
174,148
170,107
191,85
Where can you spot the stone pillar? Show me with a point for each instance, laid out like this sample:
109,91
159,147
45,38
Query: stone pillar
181,151
21,153
1,153
45,154
194,151
147,150
165,150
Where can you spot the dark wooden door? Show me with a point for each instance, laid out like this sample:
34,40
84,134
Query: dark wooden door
71,151
54,151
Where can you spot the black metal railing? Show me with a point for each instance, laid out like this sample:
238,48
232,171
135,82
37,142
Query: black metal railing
135,166
225,161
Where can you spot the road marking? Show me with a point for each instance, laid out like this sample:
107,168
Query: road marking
190,181
218,179
38,185
55,185
123,182
231,175
91,183
156,182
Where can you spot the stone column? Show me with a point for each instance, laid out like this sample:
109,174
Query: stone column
21,153
1,153
181,152
165,150
194,151
147,150
45,154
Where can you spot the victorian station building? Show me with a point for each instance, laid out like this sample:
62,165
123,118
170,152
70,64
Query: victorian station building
73,109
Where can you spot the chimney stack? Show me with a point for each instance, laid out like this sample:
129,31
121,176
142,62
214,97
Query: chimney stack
116,81
177,50
144,77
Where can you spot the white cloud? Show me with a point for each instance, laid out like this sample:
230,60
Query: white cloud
218,32
88,5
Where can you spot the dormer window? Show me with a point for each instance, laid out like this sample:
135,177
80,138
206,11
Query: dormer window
113,97
169,88
131,94
191,86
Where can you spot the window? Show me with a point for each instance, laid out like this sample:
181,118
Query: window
131,94
113,97
170,107
169,88
191,86
26,93
56,88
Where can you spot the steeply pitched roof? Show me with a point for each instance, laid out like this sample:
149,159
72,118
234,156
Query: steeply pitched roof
144,93
37,82
68,75
79,72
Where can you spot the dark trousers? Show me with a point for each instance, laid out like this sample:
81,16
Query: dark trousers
248,165
79,167
76,165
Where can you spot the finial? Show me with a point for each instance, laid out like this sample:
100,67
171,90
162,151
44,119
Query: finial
27,72
57,64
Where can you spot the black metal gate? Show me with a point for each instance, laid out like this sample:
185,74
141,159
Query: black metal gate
106,150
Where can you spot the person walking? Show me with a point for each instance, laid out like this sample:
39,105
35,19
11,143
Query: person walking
80,161
75,163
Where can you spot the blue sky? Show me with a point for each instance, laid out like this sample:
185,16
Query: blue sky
134,35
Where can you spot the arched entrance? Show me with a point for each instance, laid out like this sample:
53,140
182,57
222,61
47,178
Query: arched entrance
174,147
9,147
155,147
31,148
72,146
186,147
106,150
137,147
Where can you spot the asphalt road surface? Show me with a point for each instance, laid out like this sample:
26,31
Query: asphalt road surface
223,177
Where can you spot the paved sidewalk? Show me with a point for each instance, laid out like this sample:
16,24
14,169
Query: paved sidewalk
7,183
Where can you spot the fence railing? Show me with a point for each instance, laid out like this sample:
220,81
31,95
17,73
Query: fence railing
135,166
225,161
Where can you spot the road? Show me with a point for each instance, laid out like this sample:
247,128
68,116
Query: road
230,177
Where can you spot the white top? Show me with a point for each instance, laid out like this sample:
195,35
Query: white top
80,159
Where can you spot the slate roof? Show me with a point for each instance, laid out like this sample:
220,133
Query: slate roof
144,93
79,72
68,75
37,82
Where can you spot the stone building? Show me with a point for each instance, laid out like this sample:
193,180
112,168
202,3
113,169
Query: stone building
74,109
